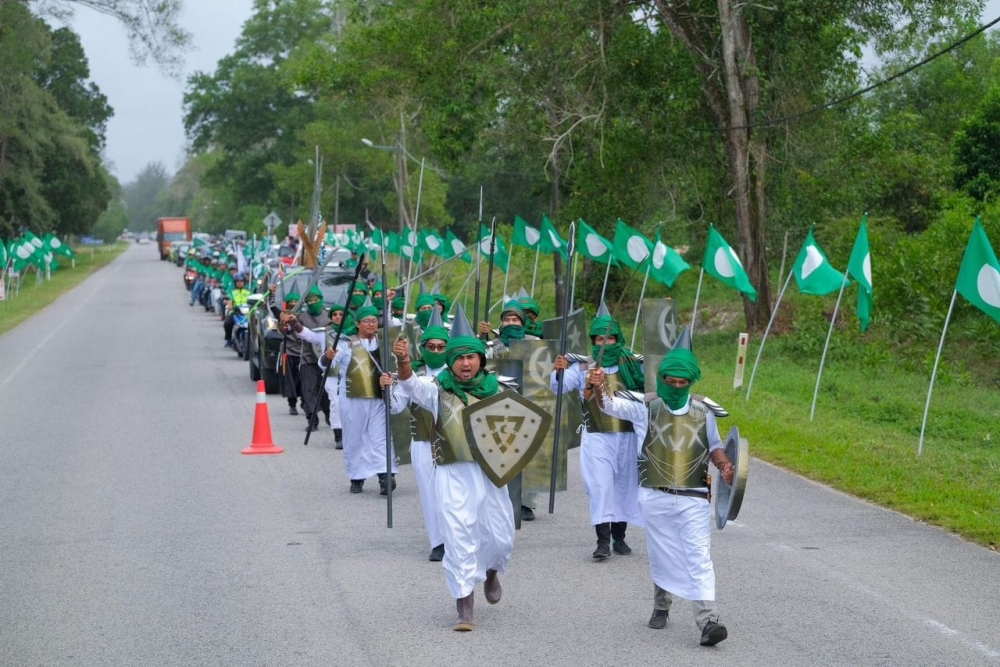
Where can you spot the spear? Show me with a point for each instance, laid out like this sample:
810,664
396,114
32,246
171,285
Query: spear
386,396
479,244
559,391
489,274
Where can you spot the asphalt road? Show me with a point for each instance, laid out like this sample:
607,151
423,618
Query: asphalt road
132,532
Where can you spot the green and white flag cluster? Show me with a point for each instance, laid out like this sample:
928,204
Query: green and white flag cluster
593,246
860,268
500,257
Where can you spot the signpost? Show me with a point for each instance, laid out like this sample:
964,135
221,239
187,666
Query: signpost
271,222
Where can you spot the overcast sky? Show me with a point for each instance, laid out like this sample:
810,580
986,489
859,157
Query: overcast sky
148,124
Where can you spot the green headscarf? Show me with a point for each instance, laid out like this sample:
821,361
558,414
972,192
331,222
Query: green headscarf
292,298
483,385
366,311
350,328
399,303
617,354
357,300
423,317
428,358
531,327
679,363
509,332
529,305
314,309
445,302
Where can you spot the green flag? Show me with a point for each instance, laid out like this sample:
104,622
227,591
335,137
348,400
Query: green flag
631,247
454,246
501,257
59,247
432,242
525,235
979,275
813,271
551,241
592,245
722,263
392,243
860,267
666,263
3,255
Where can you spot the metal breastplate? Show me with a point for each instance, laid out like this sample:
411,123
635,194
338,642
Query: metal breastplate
450,444
423,423
675,453
601,422
362,373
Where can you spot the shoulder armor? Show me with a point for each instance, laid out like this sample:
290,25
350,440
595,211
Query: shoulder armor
507,382
716,409
577,358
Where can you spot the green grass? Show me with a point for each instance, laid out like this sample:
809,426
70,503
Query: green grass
866,430
33,298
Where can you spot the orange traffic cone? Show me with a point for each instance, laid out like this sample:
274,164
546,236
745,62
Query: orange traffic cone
262,443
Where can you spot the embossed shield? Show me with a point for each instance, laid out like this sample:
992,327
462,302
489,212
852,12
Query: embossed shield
659,333
728,499
576,337
505,431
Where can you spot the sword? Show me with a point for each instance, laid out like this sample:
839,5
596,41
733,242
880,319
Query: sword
561,373
386,400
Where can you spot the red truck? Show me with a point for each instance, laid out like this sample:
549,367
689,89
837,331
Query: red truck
171,230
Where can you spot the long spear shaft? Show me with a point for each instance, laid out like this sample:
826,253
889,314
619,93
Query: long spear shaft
489,275
386,395
638,310
567,304
607,274
479,258
534,274
628,283
416,223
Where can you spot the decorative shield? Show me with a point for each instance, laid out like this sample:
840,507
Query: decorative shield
728,499
505,431
576,337
659,333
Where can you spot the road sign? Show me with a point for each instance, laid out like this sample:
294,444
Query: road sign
272,221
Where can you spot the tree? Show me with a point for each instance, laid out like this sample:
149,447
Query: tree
977,149
152,26
148,197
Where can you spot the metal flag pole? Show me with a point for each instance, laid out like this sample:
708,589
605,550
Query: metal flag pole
774,314
462,289
560,375
638,309
930,389
534,274
607,273
826,346
479,258
506,274
416,223
489,274
386,392
697,293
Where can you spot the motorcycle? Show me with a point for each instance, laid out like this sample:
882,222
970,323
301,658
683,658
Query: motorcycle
241,317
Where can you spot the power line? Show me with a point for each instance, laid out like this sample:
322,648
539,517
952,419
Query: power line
868,89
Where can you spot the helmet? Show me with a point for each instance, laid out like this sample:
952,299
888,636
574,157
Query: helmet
238,277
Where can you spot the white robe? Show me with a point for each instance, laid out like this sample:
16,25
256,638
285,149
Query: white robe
607,463
362,423
678,528
422,460
475,517
332,386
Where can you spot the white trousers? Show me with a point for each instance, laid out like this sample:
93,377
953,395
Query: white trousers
477,525
333,393
611,477
422,461
363,424
679,538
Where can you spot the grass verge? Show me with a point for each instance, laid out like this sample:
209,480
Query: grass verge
33,298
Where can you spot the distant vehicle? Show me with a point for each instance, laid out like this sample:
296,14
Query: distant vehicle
231,234
142,240
171,230
283,253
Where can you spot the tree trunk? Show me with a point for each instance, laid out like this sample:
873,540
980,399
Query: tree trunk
746,159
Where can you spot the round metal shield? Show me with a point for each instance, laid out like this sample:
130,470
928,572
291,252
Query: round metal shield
729,498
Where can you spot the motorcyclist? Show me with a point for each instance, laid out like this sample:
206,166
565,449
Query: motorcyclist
236,297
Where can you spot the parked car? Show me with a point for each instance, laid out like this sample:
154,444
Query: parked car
264,338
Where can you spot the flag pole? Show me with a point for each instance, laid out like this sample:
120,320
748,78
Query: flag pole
826,346
413,248
567,305
697,294
506,274
462,289
572,289
774,313
638,310
538,251
927,406
607,272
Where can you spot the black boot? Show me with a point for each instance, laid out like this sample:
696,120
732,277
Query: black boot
313,422
465,606
338,438
618,534
357,485
437,554
603,541
382,485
